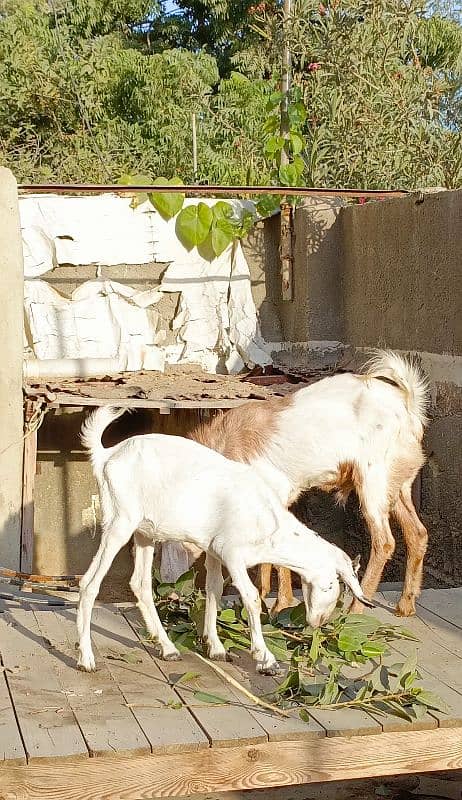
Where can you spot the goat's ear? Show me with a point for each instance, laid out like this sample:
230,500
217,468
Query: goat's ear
356,563
348,576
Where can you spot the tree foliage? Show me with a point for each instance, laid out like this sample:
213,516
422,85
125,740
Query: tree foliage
94,90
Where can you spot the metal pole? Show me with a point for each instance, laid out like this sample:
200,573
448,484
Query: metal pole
285,82
194,144
286,235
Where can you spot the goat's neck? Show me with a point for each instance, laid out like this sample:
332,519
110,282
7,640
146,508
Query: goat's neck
298,548
277,479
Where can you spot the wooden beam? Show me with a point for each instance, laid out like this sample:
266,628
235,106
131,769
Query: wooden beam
237,768
164,406
28,485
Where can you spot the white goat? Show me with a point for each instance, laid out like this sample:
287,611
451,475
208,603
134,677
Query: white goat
166,488
343,433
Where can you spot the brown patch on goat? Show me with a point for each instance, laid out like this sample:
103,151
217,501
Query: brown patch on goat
242,433
347,479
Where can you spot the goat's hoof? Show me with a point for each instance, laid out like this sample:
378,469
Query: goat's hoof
270,669
171,657
405,609
88,665
219,656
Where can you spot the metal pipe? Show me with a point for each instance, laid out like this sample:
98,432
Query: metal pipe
206,190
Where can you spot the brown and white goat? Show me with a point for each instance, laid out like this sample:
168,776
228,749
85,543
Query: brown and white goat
346,432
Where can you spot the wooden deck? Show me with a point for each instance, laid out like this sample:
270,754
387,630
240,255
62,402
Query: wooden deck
128,731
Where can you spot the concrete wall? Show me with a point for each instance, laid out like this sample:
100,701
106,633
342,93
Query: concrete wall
11,351
388,274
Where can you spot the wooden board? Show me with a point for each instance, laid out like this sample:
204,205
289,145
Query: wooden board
48,726
11,747
238,768
429,654
144,687
278,728
107,725
444,665
28,486
224,725
446,603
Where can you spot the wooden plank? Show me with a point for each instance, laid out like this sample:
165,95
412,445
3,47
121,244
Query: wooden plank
445,603
48,727
443,631
107,725
238,768
64,399
11,746
428,660
225,725
440,662
144,687
28,485
278,728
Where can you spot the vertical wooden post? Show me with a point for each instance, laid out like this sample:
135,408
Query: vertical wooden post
11,365
28,486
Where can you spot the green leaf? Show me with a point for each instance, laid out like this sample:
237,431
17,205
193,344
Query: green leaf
134,180
288,175
187,677
299,164
419,710
205,697
227,615
185,584
267,205
129,658
315,642
222,235
164,589
298,616
222,210
193,224
373,649
296,143
304,716
175,704
273,101
297,114
270,125
397,710
431,700
166,203
273,146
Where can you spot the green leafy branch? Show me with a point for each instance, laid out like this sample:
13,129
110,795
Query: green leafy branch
317,659
210,228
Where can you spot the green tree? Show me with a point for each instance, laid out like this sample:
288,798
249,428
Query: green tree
378,81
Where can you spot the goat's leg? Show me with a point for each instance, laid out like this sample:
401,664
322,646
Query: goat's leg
213,593
372,491
113,539
265,579
266,662
285,593
416,538
141,586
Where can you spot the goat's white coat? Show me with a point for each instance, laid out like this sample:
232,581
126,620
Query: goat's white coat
167,488
361,420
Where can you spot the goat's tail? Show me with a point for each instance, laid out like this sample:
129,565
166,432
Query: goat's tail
406,374
92,430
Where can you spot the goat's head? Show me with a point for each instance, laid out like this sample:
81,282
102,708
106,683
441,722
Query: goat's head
322,590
